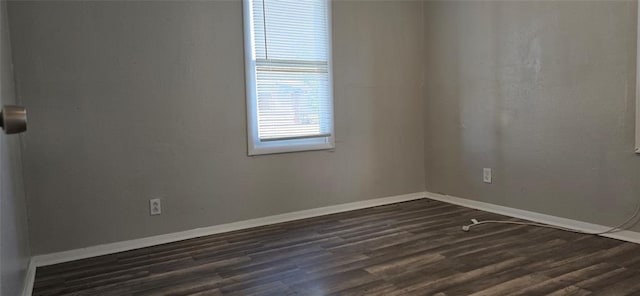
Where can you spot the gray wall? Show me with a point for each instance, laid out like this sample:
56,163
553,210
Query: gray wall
134,100
543,92
14,244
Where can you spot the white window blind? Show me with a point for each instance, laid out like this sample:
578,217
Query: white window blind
289,73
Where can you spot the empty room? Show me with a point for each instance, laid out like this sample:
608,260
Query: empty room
319,147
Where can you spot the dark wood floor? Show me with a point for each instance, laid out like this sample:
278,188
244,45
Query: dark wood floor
411,248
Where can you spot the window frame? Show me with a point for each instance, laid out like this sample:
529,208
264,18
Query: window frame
257,147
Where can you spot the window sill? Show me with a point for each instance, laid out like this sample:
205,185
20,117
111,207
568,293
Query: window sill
278,149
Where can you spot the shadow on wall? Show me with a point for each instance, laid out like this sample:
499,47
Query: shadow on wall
14,242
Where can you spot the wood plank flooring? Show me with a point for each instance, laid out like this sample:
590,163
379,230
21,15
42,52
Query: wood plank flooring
410,248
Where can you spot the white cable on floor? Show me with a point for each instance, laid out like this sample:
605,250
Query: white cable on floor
616,228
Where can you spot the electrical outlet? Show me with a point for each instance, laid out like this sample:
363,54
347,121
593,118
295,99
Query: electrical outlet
155,207
486,175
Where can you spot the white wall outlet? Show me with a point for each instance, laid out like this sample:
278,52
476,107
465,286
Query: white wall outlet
155,207
486,175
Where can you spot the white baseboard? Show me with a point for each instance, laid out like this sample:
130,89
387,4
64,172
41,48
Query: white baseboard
625,235
66,256
30,278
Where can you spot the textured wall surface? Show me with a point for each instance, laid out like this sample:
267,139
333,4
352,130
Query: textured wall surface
134,100
543,92
14,243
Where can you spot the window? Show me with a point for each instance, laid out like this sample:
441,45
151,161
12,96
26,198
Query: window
288,75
